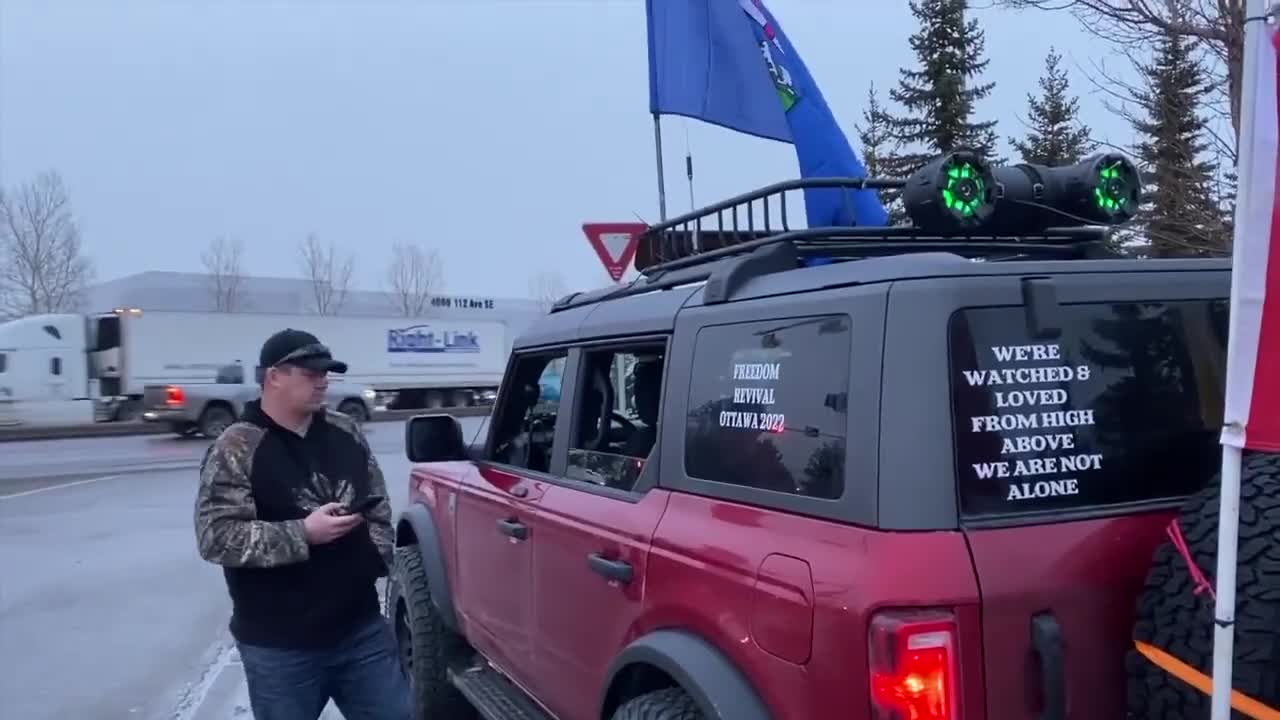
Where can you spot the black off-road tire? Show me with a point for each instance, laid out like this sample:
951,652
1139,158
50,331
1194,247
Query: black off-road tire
666,704
430,646
1172,618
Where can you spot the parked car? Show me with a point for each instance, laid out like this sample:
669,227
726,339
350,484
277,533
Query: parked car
888,473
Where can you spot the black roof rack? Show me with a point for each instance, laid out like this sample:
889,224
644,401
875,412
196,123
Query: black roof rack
755,228
743,223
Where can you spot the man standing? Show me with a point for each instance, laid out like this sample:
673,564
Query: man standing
274,509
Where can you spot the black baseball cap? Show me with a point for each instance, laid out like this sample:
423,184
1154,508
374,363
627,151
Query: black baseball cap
300,348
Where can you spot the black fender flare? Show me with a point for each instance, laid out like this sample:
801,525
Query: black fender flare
716,685
419,519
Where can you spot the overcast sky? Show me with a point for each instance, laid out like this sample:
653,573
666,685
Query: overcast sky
488,129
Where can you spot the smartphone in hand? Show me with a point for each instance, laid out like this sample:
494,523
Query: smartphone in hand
362,505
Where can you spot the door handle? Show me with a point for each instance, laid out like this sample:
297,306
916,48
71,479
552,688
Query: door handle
1046,639
612,569
514,529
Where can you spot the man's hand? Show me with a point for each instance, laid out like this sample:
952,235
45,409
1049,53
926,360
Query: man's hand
324,525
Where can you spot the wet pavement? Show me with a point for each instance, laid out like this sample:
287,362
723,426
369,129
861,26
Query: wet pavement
106,610
50,459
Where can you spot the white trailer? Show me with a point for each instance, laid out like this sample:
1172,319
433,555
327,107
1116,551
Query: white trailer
105,361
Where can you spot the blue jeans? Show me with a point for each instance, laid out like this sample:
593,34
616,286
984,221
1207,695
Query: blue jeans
362,675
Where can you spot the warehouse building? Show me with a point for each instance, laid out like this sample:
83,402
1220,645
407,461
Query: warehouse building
196,292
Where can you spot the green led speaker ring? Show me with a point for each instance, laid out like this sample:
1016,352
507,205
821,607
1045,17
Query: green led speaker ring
953,193
1103,189
1117,187
964,191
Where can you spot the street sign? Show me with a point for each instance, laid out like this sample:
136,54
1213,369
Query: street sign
615,243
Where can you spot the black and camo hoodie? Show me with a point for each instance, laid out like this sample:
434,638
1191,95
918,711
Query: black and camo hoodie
257,482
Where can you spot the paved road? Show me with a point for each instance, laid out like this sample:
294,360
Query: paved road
53,459
106,612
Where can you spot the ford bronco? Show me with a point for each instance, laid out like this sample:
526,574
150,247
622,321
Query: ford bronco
904,473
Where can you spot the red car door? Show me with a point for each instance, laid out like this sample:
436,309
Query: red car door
494,535
1071,627
493,572
589,561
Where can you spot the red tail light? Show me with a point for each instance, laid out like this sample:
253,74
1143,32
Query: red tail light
174,396
914,675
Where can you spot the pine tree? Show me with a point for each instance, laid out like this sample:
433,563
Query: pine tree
939,97
1056,136
873,134
1227,194
877,144
1183,216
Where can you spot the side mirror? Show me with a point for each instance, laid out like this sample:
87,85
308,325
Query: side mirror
434,438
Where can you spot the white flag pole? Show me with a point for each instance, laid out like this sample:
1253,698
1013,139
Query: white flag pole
1224,612
1234,433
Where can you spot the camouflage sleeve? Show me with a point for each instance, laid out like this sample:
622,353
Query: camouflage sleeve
381,530
228,532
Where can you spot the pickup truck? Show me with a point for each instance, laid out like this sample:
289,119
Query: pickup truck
207,409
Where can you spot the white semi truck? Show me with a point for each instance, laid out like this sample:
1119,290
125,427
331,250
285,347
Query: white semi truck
69,368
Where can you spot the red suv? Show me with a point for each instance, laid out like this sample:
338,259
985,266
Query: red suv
819,473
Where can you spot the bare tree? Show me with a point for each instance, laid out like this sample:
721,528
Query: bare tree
1216,25
329,275
413,276
547,287
223,261
42,269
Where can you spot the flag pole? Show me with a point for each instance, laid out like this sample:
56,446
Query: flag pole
1224,611
662,185
688,164
1234,431
688,167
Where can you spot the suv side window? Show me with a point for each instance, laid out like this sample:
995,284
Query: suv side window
617,415
526,422
1124,406
768,405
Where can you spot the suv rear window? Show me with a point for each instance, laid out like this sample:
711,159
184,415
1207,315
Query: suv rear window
767,405
1124,406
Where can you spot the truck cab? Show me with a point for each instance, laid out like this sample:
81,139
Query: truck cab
67,368
44,371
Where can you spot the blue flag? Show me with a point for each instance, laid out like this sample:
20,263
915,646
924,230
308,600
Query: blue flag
727,62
